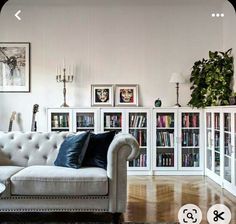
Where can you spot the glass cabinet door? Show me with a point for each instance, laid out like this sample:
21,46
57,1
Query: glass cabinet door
235,149
190,139
209,140
217,143
227,147
85,121
138,128
165,135
60,121
112,121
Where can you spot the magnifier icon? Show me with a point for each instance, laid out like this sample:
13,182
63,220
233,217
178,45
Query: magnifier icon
189,215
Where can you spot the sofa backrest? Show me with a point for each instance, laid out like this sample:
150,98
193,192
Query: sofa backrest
32,148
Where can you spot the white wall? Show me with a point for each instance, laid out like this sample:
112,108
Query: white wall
229,31
120,41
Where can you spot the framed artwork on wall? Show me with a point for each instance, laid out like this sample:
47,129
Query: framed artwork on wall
126,95
14,67
102,95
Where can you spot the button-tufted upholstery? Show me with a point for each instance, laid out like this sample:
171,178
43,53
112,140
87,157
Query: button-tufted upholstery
27,149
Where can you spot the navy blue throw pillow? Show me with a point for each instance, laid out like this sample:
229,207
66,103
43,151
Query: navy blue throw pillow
72,151
96,154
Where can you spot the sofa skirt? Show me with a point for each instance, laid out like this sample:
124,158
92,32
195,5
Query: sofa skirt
55,204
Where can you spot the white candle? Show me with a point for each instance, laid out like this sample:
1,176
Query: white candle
64,63
59,69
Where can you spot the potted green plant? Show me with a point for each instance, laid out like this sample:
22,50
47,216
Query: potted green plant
211,80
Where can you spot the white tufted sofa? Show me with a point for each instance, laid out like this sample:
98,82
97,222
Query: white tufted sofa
34,184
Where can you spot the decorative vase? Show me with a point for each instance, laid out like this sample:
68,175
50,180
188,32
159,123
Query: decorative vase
157,103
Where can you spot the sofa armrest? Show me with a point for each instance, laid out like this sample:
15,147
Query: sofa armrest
123,148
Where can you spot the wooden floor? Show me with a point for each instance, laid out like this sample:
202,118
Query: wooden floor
150,200
158,199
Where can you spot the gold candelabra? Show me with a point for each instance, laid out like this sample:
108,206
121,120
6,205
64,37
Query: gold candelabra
64,79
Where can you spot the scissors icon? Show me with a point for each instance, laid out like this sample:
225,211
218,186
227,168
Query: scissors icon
218,215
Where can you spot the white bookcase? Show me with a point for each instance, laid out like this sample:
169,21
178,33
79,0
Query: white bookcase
191,140
173,141
73,119
220,132
136,121
164,140
177,141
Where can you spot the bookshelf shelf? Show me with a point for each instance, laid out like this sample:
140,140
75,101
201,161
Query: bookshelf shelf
165,128
190,128
113,128
60,128
228,132
137,128
85,128
164,147
228,156
190,147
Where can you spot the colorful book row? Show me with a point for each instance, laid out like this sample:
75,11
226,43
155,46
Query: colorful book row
140,135
165,139
190,160
85,121
190,120
165,160
165,121
60,120
113,121
190,138
137,121
141,161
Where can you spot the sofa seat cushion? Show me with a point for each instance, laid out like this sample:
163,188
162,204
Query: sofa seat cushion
54,180
7,171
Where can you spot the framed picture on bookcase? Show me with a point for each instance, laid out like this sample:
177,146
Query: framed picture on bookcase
102,95
126,95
